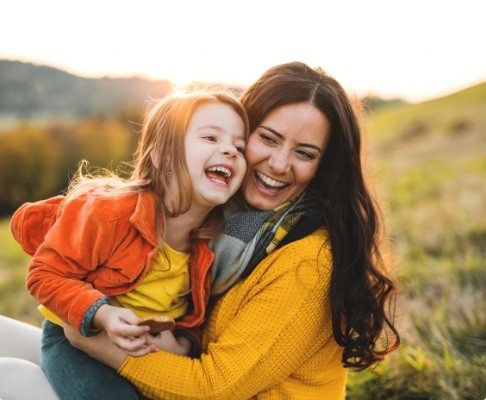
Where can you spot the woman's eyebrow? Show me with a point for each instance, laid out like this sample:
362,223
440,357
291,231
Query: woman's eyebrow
281,136
275,132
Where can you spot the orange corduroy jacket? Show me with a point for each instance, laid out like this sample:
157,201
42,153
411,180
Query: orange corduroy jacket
90,247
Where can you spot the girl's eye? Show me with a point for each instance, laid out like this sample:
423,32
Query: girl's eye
240,149
211,138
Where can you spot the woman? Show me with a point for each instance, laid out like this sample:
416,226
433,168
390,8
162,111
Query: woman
315,305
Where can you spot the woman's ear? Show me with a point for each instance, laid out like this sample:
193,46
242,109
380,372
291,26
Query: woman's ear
155,157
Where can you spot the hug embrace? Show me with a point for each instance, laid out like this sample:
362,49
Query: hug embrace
277,288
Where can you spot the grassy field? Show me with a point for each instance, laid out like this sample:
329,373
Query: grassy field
430,163
14,300
429,160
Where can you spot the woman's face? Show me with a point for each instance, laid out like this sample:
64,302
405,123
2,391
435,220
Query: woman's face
283,154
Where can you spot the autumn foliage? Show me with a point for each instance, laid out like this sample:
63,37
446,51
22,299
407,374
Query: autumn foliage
37,161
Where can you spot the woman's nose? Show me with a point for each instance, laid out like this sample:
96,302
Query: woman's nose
279,162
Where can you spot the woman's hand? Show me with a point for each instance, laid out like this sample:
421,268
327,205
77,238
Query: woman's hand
167,341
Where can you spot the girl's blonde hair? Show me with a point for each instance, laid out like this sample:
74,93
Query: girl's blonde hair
163,133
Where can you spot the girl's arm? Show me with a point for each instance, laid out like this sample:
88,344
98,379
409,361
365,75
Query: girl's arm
79,242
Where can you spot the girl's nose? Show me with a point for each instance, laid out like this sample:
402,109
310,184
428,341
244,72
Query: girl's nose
228,149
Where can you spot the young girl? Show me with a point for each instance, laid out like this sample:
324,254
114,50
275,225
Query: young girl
115,251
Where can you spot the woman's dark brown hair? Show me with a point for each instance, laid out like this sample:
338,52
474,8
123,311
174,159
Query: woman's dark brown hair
361,290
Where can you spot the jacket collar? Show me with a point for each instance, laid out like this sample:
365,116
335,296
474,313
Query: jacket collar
143,218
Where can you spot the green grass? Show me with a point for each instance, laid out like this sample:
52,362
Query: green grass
430,163
459,112
15,301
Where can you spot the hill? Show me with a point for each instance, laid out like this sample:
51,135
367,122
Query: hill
451,128
38,92
430,161
32,91
457,112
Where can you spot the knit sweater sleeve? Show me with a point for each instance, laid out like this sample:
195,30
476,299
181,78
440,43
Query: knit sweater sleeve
279,318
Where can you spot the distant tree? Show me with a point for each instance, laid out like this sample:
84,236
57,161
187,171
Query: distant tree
373,103
37,162
102,142
28,165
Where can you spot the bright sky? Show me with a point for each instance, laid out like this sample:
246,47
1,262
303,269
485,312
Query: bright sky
414,49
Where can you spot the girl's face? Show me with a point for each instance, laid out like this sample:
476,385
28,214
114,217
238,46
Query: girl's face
215,147
283,154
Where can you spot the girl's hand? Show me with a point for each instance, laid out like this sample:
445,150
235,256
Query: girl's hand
167,341
120,324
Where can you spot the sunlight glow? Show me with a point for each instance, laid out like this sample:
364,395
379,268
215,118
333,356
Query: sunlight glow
393,49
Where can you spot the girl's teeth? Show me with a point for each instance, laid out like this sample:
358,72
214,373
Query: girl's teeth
225,171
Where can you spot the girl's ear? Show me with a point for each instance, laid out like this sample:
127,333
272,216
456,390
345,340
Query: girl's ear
155,157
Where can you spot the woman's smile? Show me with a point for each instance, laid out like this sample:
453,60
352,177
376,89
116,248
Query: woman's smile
283,154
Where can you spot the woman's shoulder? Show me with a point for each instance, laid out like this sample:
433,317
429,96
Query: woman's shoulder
313,252
304,265
311,245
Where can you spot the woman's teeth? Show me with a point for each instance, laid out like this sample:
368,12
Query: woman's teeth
269,181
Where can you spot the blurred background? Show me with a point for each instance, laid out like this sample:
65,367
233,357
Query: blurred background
75,79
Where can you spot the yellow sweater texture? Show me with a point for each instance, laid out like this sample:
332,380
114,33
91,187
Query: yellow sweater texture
268,337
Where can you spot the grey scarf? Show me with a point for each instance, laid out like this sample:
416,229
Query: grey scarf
250,235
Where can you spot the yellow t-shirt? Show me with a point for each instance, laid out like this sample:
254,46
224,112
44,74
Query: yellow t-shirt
163,291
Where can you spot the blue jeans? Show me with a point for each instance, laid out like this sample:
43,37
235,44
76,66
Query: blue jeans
75,375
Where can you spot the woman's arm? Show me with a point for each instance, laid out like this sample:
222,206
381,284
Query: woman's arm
281,321
103,349
99,347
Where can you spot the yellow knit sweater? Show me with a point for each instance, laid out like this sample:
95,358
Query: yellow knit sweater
269,337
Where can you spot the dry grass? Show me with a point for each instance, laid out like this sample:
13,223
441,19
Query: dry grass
432,178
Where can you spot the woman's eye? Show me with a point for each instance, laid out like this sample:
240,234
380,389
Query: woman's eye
267,139
306,155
